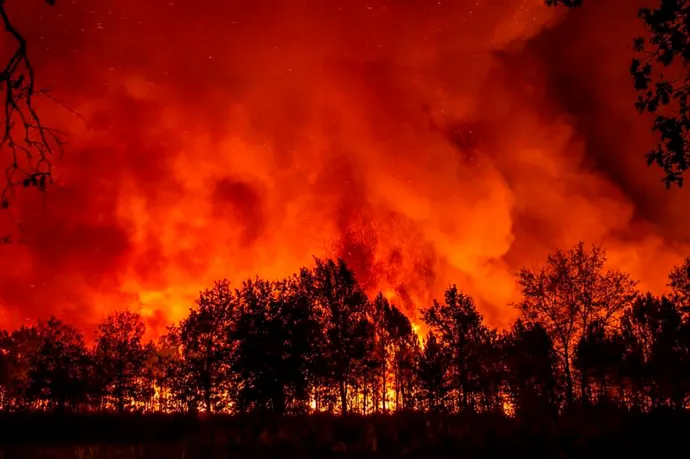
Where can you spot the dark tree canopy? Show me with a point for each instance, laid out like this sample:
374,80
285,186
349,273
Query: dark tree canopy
314,342
680,283
120,357
59,370
571,293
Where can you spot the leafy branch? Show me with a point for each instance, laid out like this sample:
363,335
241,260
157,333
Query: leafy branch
667,49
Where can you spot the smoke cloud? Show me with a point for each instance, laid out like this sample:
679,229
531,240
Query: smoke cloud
426,142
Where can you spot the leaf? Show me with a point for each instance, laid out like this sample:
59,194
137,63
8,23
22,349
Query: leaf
634,66
638,44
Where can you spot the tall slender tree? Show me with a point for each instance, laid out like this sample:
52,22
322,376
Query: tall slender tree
432,374
460,328
342,304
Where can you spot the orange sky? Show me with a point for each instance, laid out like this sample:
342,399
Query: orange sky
426,142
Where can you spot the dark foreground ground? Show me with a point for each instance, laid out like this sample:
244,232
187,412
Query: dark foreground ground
591,433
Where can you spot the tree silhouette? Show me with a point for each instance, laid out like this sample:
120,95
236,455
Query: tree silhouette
460,329
5,371
405,345
598,357
258,354
531,361
120,358
59,368
568,294
302,342
206,348
655,329
431,373
680,284
315,342
277,336
15,350
349,335
173,379
393,335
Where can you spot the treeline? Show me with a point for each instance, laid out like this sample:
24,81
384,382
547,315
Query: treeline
316,342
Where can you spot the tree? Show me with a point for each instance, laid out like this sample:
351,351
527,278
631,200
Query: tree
342,304
302,342
59,368
405,345
28,143
173,379
567,294
206,347
120,357
598,356
659,72
530,360
431,373
381,313
278,336
666,90
15,350
680,284
654,328
460,329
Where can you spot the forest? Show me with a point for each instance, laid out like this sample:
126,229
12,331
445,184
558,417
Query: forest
315,344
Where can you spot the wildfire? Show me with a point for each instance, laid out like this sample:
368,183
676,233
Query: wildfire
425,143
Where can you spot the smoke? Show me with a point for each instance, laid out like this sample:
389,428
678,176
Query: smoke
427,143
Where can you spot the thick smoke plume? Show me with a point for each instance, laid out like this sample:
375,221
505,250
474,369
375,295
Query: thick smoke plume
426,142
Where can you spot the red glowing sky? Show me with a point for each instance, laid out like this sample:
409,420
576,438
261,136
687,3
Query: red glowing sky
427,142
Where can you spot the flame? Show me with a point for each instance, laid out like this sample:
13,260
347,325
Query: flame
427,143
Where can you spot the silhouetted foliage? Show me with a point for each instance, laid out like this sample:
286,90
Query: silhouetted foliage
459,327
120,358
278,346
569,294
206,350
598,356
659,341
314,342
15,350
349,335
659,73
432,374
680,284
531,362
60,368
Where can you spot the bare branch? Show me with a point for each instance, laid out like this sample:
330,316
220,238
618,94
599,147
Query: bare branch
29,144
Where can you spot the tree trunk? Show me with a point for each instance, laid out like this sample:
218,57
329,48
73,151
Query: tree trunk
343,395
207,398
568,378
120,395
384,382
584,383
279,402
